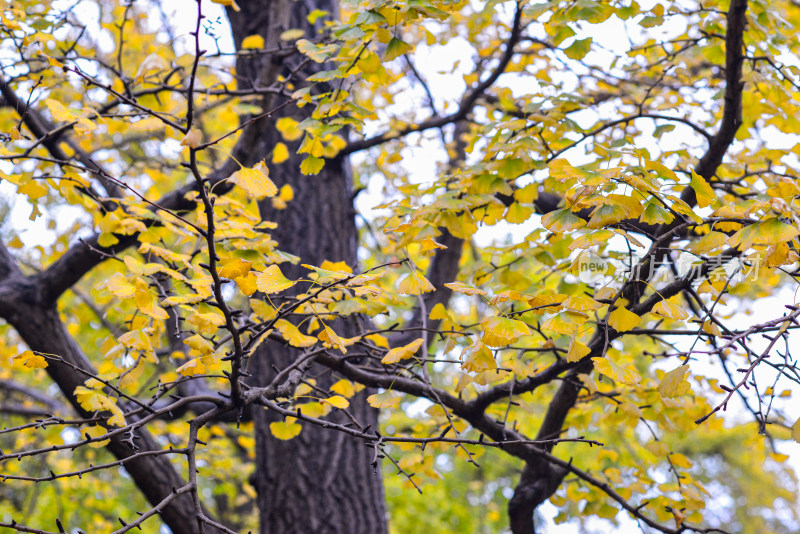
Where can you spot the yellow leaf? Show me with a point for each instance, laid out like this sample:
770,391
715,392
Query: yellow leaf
147,301
337,401
94,431
328,336
117,417
119,286
193,367
478,358
439,312
31,360
247,284
206,323
414,284
271,280
255,181
193,139
34,190
312,165
379,340
288,127
199,345
293,335
292,35
623,320
582,304
772,231
402,353
561,221
151,63
668,309
280,153
546,303
501,331
386,399
285,430
460,287
344,388
228,3
624,375
708,242
235,268
796,431
703,191
673,385
565,322
15,243
253,41
577,350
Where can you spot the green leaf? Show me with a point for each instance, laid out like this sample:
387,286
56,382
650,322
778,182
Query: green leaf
395,49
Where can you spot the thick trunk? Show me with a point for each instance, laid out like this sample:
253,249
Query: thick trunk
321,481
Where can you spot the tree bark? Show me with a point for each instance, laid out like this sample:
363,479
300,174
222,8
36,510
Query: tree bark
321,481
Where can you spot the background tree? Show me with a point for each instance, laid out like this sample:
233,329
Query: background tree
210,317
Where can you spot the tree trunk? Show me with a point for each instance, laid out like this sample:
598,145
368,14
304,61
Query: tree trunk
321,481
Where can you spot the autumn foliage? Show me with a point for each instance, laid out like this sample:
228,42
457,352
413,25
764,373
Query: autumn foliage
297,266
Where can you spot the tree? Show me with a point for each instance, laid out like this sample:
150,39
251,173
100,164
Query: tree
213,319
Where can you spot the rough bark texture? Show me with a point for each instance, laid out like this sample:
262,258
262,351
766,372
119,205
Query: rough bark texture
321,481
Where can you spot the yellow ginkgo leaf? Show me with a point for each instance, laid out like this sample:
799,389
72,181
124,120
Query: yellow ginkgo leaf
577,350
285,430
247,284
501,331
193,367
379,340
542,304
623,320
253,41
119,286
617,373
771,231
235,268
206,323
288,127
582,304
703,191
337,401
280,153
31,360
386,399
402,353
460,287
272,280
200,346
673,384
94,431
329,337
193,139
670,310
255,181
343,387
312,165
796,431
478,358
293,335
414,284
